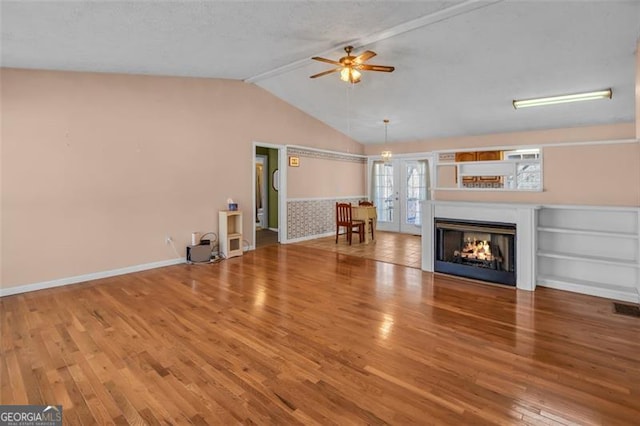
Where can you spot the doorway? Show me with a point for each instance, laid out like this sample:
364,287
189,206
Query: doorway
398,188
267,191
262,205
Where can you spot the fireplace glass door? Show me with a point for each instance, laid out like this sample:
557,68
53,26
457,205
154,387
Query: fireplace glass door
479,250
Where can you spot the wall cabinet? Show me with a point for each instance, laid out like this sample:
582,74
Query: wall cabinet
479,156
230,230
466,156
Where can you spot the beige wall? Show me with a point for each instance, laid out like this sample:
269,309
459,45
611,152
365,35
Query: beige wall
583,175
1,188
638,90
539,137
98,168
312,179
580,174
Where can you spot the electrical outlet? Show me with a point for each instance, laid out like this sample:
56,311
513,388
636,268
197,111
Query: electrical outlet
168,239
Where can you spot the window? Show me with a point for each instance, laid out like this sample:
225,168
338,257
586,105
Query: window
416,190
522,154
383,190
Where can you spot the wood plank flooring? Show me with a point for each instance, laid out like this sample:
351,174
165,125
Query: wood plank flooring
391,247
295,335
266,237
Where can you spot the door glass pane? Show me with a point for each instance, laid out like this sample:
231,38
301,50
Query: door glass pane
416,190
383,190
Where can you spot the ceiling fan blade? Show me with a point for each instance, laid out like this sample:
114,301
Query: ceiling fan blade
326,72
382,68
329,61
364,56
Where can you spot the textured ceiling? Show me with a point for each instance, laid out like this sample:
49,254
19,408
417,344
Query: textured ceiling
459,64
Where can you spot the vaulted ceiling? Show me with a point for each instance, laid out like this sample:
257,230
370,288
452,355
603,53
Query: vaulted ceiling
459,64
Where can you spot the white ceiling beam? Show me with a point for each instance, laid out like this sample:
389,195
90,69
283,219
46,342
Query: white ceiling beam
423,21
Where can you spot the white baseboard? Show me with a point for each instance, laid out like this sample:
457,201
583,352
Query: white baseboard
273,229
591,291
310,237
88,277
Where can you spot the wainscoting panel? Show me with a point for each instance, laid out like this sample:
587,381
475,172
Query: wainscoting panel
313,218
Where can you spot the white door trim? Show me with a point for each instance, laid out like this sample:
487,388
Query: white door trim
264,160
282,192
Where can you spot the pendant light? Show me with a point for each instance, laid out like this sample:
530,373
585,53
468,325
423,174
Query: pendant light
386,155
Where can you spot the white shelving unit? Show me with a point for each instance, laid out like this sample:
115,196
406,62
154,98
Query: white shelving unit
230,230
592,250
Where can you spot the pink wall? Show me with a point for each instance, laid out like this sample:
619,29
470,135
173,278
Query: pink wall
311,179
638,90
539,137
1,186
98,168
580,174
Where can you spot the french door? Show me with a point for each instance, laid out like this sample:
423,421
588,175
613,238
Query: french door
398,187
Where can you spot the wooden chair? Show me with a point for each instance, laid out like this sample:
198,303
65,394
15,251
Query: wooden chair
344,219
369,204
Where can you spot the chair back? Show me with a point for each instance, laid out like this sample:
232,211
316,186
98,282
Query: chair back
343,214
365,203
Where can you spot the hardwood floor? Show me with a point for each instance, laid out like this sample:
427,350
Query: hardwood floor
296,335
266,237
391,247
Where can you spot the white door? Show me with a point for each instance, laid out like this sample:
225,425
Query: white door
415,181
398,187
385,194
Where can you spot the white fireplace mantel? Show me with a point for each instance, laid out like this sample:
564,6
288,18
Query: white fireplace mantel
524,216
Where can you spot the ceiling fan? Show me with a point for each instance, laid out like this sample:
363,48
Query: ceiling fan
350,66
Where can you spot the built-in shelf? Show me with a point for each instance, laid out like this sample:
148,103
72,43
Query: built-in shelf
590,249
588,287
587,258
589,232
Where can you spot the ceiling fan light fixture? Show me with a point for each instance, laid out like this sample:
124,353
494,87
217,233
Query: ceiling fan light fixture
350,66
350,75
553,100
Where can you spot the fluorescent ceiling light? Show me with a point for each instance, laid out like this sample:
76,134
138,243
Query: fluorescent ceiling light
552,100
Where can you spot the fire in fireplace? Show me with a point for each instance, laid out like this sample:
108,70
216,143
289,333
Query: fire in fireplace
479,250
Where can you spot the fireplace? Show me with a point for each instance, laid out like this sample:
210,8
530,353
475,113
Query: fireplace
480,250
